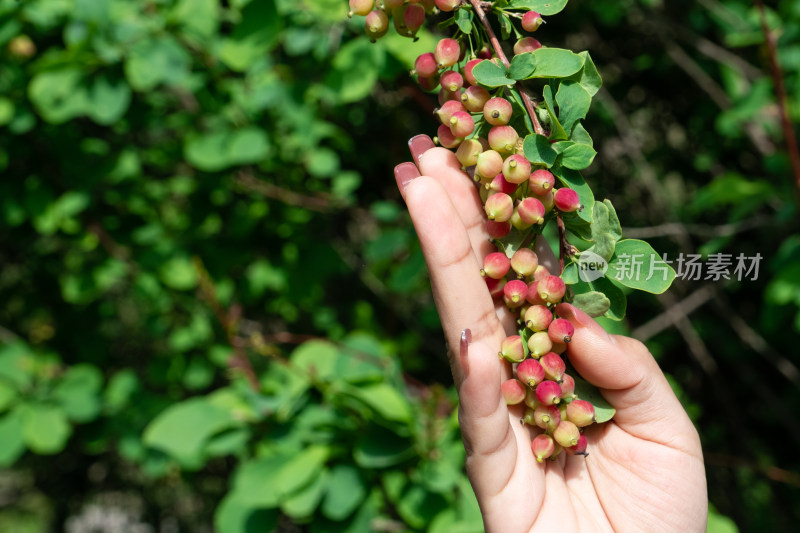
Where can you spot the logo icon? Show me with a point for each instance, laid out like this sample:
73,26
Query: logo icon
591,266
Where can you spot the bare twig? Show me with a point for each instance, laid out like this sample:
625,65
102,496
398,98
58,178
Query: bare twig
674,313
780,89
526,99
321,203
774,473
229,322
702,230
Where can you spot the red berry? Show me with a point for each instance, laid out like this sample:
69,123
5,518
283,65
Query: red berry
468,71
539,344
497,111
360,7
448,109
497,230
566,434
475,98
551,289
468,152
500,184
513,391
538,318
447,52
447,5
543,447
553,366
495,265
547,417
499,207
524,262
495,286
503,138
531,211
512,350
578,449
526,44
462,124
425,65
560,330
567,200
531,21
446,137
489,165
580,413
516,168
541,181
533,297
567,387
376,24
515,292
452,81
548,393
530,372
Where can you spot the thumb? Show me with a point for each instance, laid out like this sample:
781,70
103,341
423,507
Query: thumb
630,379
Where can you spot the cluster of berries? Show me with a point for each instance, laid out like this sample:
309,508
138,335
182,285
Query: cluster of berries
478,126
541,381
408,15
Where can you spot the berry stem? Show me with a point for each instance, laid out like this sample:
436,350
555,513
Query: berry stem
563,244
529,105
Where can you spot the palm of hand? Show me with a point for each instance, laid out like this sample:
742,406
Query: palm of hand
645,469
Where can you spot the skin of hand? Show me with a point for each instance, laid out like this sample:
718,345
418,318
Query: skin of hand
644,471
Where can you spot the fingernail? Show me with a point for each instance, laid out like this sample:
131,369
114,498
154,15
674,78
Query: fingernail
466,338
573,314
419,145
403,174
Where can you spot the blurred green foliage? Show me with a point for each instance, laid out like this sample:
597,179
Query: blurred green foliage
216,315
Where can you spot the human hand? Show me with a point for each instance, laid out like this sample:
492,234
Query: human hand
645,468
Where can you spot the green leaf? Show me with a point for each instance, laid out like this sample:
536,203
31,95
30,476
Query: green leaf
580,135
79,392
152,62
573,103
6,111
385,400
380,448
617,301
8,393
355,70
303,503
345,492
560,146
59,95
603,411
247,146
578,156
522,66
258,31
491,74
505,26
543,7
234,515
12,445
183,429
179,273
636,265
613,225
300,470
110,100
556,63
323,361
574,180
418,506
464,20
588,77
556,130
593,303
198,18
45,428
538,150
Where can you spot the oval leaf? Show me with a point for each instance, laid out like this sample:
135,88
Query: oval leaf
491,74
593,303
543,7
636,265
578,156
556,63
